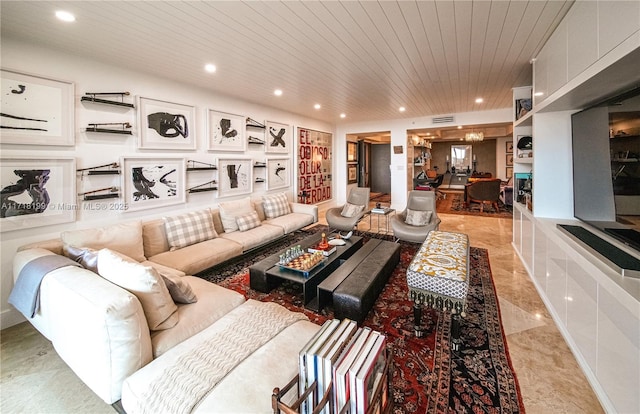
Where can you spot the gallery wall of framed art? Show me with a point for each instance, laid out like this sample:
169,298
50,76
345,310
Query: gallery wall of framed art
95,139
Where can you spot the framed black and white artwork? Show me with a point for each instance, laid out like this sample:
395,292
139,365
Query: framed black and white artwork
235,176
166,125
278,173
226,132
153,182
37,192
36,110
278,138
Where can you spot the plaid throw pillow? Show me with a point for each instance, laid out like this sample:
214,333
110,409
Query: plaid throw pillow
351,210
248,221
190,228
275,205
418,218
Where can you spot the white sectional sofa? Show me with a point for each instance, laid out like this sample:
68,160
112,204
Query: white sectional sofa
134,308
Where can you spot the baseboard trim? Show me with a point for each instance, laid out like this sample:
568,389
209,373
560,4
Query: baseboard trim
10,317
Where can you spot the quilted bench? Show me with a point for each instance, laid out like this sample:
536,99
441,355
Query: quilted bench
438,276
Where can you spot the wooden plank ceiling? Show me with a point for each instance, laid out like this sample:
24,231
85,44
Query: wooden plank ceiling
361,58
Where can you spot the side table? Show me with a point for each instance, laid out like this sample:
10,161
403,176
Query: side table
379,213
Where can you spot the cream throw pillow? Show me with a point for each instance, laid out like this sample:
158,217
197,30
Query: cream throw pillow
351,210
142,281
418,217
125,238
231,210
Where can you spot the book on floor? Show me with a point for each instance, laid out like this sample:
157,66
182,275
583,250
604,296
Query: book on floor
340,372
355,367
307,361
369,374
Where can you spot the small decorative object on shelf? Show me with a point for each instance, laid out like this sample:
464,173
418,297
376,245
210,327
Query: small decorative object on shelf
201,188
525,146
255,140
106,169
523,106
342,368
252,123
101,194
259,164
199,166
259,180
124,128
92,97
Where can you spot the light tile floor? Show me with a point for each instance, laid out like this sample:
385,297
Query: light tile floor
549,376
33,379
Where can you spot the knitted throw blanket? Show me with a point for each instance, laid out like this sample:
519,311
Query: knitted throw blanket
181,386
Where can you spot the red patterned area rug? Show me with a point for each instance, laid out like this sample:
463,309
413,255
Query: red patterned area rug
428,376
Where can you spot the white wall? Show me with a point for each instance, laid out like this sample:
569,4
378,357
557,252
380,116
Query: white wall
399,128
97,149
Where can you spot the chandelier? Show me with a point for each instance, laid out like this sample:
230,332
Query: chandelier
474,136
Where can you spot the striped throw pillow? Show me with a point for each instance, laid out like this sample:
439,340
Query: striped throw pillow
275,205
248,221
190,228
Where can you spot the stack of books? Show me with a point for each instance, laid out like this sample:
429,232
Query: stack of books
325,250
349,363
381,210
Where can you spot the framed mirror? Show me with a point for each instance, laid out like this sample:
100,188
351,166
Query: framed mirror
461,157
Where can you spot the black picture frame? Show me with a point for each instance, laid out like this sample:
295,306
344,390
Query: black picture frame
352,151
352,173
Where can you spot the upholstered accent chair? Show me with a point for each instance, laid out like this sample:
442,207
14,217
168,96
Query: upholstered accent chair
506,192
347,216
418,219
483,191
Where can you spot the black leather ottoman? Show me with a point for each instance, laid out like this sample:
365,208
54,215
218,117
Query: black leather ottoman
355,296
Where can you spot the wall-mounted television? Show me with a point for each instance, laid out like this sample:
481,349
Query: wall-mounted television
606,167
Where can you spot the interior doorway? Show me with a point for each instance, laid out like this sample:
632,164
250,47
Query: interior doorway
373,161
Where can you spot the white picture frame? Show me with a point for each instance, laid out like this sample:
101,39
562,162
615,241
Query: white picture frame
235,176
278,138
38,110
33,198
278,173
153,182
226,132
166,125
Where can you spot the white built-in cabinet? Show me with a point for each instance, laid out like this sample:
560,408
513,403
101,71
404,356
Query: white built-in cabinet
596,309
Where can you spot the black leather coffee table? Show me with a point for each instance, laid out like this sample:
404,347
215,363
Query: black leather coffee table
267,274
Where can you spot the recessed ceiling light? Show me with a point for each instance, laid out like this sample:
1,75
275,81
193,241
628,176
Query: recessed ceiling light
210,67
277,92
343,115
479,100
65,16
317,106
402,109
